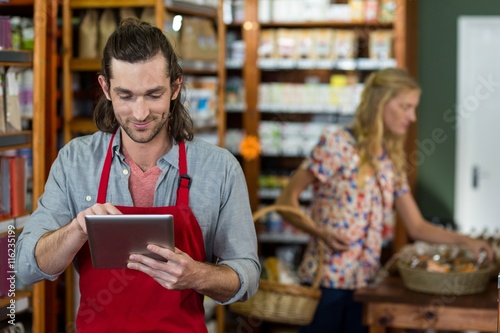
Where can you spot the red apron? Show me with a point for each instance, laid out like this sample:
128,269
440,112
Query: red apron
130,301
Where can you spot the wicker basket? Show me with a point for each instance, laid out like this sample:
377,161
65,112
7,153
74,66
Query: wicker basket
283,303
450,283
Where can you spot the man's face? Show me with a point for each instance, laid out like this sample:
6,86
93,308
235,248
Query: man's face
141,95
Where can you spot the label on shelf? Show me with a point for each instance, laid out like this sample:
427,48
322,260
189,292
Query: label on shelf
235,107
267,63
325,63
346,64
234,63
386,63
306,64
368,64
287,63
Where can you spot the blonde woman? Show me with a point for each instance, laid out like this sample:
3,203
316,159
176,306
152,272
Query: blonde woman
358,176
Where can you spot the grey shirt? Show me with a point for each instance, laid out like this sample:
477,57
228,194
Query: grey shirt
218,197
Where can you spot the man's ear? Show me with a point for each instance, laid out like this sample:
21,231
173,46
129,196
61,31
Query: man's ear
177,88
104,86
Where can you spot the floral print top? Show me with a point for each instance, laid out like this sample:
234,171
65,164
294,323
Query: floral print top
359,213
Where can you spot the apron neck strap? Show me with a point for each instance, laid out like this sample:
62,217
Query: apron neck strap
184,179
103,184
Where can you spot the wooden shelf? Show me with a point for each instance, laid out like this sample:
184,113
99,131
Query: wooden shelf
255,68
327,24
110,3
85,65
15,64
199,67
39,11
359,64
17,3
18,58
5,301
189,67
15,140
82,125
186,8
320,24
18,222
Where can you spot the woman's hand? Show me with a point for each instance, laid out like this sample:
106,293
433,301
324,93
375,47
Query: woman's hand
334,240
479,247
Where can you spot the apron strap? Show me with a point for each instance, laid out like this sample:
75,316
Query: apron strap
184,179
103,184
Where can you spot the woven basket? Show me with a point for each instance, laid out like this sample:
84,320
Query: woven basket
450,283
283,303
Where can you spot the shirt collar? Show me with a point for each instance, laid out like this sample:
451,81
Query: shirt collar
117,142
171,157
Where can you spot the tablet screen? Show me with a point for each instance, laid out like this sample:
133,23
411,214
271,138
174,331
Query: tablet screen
112,238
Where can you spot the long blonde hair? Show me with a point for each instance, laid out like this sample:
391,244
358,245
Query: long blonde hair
368,126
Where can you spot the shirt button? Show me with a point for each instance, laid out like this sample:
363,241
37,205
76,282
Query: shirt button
125,172
88,198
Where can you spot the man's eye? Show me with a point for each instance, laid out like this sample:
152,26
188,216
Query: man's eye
125,97
154,96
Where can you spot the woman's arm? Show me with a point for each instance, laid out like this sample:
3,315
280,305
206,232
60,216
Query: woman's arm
420,229
300,180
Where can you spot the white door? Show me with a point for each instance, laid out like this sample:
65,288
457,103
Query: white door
477,182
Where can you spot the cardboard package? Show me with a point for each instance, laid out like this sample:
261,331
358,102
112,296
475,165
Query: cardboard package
198,40
345,44
380,46
88,35
13,107
171,29
107,24
2,102
323,43
125,12
286,42
267,44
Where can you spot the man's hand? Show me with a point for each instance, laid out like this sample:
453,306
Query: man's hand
96,209
177,273
180,271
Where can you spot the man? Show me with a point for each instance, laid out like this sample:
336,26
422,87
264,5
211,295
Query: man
143,160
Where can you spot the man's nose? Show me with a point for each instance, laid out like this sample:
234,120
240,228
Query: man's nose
140,109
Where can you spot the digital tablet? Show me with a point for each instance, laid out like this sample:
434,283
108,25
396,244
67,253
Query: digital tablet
112,238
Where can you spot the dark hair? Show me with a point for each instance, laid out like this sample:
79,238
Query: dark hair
136,41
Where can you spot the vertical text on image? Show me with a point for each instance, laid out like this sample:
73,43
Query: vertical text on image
11,273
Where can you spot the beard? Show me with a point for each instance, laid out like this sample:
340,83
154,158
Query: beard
146,135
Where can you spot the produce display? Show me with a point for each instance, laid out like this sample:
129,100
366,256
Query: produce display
442,258
444,269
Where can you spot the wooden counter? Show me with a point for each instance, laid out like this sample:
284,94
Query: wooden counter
392,305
